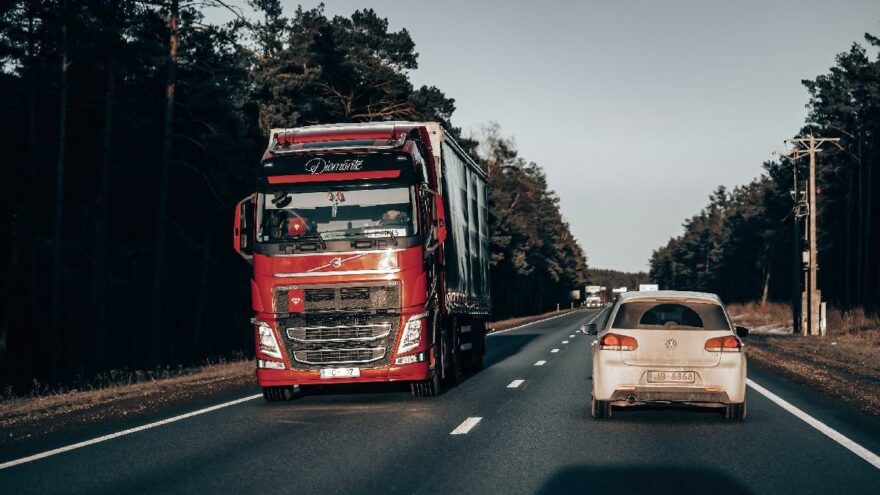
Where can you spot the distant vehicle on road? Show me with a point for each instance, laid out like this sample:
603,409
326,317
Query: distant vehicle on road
370,253
648,287
593,302
668,347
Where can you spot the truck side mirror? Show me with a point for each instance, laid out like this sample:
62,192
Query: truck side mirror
441,219
243,233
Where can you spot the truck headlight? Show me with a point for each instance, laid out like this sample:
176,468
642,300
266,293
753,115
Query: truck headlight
412,333
268,344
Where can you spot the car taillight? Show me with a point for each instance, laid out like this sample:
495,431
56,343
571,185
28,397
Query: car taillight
724,344
615,342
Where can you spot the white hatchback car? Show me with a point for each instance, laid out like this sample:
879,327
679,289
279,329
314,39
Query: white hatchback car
668,347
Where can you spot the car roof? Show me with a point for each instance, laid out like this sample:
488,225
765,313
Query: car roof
669,294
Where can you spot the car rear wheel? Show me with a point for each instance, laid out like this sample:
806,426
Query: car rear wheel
600,409
735,412
277,394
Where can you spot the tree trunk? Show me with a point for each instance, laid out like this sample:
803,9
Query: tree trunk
100,272
868,252
59,199
162,207
202,296
848,245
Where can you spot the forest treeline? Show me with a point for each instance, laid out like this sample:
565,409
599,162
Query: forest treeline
130,130
744,245
613,279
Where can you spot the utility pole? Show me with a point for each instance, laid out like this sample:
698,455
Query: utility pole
811,299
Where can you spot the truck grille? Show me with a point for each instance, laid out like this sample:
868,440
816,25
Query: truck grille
328,298
332,334
340,356
314,340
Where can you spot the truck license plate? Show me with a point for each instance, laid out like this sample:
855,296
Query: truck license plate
671,377
340,372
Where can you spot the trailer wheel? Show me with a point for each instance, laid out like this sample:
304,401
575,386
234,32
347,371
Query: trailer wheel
479,348
277,394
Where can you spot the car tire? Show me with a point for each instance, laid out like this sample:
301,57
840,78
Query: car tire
735,412
277,394
600,409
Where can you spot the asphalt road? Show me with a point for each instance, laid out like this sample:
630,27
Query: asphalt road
534,437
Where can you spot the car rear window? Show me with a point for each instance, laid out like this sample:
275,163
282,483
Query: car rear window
679,315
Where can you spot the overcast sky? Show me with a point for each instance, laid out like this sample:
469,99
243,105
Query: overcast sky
637,110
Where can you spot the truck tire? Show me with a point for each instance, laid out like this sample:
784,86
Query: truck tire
277,394
427,388
735,412
478,351
600,409
452,357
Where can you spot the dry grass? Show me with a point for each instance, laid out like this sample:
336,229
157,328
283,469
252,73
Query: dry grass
844,364
762,318
21,417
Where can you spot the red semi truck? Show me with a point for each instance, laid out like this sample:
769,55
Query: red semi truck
370,253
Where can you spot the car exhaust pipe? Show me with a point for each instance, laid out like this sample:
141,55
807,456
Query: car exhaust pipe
631,398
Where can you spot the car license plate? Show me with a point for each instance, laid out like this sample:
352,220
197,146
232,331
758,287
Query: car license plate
671,377
340,372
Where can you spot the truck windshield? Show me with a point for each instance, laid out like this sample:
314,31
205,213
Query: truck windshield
335,213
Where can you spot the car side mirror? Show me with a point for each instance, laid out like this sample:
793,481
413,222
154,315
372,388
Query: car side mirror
741,332
592,329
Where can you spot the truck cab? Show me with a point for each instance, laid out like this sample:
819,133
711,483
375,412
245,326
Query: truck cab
347,234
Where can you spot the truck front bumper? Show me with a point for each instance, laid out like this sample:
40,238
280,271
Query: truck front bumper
406,372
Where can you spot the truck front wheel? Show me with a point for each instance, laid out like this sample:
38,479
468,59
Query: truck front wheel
277,394
427,388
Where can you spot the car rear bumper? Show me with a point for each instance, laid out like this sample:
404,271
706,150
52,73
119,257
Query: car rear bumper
671,394
724,383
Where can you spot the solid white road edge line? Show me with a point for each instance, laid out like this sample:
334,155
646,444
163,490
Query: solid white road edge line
540,363
532,323
129,431
831,433
515,383
466,426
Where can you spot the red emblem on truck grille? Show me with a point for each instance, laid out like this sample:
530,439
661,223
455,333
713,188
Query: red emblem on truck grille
295,300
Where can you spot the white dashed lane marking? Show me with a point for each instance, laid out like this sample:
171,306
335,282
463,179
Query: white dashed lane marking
466,426
564,341
515,384
554,350
540,363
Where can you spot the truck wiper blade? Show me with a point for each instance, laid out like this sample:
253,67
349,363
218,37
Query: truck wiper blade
311,237
372,234
390,234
